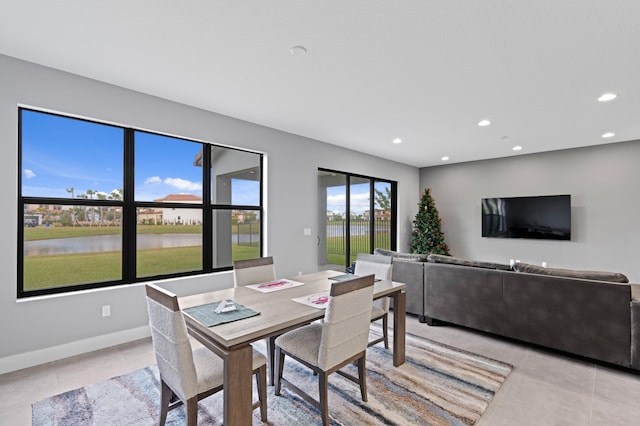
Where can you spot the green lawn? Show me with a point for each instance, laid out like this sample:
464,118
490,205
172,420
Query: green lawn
82,268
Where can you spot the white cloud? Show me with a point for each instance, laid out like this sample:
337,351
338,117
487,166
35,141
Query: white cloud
153,180
183,184
336,201
29,174
359,202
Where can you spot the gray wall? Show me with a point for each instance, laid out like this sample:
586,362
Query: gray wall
603,183
46,328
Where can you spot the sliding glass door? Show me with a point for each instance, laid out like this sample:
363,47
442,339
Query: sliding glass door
356,215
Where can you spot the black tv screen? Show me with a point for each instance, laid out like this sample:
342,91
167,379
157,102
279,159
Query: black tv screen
543,217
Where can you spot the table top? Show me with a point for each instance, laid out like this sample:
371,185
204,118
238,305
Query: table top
278,312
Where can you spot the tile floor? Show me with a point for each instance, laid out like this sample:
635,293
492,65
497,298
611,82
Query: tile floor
545,387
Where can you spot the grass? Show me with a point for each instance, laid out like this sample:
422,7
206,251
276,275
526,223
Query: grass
336,246
65,270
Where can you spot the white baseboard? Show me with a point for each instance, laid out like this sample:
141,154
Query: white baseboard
54,353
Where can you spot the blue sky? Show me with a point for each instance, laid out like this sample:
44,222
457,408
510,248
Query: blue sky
60,153
336,197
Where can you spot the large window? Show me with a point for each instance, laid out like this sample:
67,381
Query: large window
104,205
357,215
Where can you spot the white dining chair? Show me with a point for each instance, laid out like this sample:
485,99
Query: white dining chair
325,347
381,267
190,375
253,271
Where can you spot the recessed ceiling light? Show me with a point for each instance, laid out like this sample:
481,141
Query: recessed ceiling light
608,135
517,148
606,97
298,50
484,123
397,141
445,158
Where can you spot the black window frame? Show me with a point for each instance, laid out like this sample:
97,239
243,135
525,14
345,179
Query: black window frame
394,210
129,207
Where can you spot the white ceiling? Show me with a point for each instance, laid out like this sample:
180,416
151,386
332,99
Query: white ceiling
425,71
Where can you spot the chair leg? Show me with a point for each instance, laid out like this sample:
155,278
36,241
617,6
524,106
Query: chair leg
192,411
261,382
323,385
385,330
165,398
279,359
362,377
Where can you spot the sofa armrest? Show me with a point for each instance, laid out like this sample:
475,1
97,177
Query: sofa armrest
412,274
635,292
635,334
584,317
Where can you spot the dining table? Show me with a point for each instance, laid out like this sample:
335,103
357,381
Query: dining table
277,313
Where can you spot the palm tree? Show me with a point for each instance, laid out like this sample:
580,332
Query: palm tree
116,194
88,195
101,196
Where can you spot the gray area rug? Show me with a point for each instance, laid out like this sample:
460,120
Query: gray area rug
437,385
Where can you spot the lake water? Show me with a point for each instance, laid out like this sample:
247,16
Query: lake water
102,243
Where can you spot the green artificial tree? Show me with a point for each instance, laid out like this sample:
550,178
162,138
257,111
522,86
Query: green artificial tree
427,235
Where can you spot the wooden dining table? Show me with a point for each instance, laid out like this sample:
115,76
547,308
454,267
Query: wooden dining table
278,313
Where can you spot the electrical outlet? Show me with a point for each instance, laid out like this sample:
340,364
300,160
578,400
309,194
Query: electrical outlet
106,311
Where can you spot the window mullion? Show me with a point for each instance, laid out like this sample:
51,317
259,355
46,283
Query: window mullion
129,231
207,214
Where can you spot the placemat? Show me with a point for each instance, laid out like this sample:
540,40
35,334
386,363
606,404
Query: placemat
207,315
317,300
274,285
345,277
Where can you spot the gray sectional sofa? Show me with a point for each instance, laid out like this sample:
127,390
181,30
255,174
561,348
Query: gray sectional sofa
588,313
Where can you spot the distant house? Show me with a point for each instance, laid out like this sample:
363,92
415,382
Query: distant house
178,216
239,216
380,214
150,216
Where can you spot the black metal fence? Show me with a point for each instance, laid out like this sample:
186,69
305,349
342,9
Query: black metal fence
360,236
247,234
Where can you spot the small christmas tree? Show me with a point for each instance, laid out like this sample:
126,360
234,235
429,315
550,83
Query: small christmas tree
427,235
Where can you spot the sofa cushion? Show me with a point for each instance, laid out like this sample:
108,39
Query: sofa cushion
441,258
416,257
614,277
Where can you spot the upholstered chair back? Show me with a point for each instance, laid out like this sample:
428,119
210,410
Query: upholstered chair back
171,342
253,271
345,329
381,267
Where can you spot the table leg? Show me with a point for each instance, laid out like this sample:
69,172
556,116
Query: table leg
238,368
399,327
271,350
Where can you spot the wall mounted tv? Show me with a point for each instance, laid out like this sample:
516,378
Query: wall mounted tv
543,217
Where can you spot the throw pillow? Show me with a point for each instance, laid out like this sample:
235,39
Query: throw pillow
415,257
613,277
441,258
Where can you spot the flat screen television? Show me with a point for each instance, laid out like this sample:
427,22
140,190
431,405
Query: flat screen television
545,217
